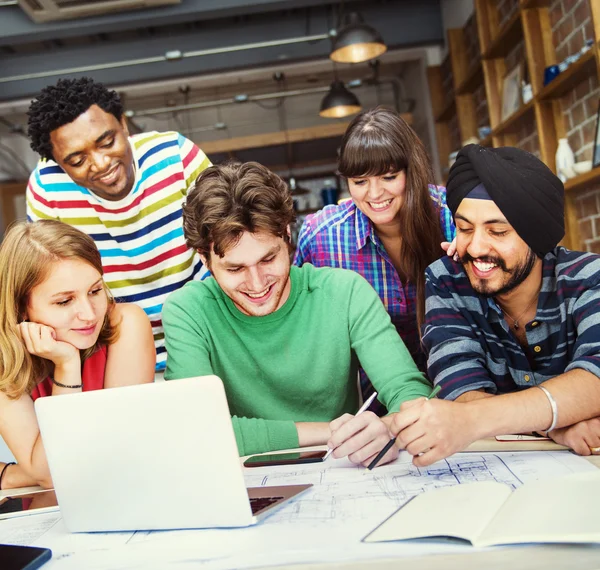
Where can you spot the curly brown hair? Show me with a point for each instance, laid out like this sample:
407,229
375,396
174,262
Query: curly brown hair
230,199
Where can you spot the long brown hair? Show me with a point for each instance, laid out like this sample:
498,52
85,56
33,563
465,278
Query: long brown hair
26,256
376,143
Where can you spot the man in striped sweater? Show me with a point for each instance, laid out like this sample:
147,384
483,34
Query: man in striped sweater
125,191
513,328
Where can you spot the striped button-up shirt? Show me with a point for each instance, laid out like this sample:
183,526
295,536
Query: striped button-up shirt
471,347
342,236
140,238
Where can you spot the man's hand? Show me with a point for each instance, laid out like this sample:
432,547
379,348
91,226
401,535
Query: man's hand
580,437
431,430
361,438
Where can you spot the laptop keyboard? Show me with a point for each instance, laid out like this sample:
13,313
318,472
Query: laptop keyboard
258,504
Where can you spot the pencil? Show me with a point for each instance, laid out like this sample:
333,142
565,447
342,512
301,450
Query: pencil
389,444
363,408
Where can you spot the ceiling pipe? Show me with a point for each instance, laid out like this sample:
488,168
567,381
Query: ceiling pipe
173,55
229,101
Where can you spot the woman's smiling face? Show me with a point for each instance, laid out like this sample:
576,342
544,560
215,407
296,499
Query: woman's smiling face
380,198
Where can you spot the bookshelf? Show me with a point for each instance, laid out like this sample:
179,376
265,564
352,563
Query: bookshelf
521,35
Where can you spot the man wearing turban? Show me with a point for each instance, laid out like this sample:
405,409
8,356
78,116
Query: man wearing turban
512,328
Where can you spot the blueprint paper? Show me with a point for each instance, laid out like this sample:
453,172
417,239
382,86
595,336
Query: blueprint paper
324,524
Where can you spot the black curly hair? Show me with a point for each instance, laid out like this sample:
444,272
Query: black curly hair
60,104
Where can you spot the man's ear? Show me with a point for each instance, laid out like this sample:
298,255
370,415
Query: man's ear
289,232
203,259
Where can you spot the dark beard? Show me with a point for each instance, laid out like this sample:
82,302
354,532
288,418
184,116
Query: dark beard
518,274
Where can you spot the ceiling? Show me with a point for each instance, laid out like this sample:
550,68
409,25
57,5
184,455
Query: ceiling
194,37
203,51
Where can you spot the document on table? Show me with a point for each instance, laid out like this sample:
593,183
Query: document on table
324,524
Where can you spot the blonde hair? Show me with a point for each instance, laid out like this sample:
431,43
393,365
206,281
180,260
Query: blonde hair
26,255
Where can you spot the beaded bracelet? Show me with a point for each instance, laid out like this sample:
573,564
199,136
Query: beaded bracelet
3,470
65,385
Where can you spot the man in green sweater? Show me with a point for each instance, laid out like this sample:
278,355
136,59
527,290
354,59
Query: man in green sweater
285,340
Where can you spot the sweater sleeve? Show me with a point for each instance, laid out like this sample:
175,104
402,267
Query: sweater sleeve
189,355
381,351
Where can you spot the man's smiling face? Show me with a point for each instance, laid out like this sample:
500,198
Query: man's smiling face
495,257
95,153
254,273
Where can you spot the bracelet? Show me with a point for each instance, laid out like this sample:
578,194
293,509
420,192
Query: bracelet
553,406
65,385
3,470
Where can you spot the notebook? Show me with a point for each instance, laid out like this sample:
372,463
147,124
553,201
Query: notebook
557,510
153,456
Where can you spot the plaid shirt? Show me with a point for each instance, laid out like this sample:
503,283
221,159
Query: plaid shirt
342,236
471,347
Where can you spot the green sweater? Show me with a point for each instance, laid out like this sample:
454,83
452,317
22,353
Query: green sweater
298,364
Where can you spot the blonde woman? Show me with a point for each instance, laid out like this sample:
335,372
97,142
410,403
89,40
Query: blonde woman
60,333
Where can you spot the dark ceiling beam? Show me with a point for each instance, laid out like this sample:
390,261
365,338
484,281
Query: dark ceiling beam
17,28
421,25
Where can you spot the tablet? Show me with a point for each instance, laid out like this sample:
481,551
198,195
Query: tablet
23,557
43,501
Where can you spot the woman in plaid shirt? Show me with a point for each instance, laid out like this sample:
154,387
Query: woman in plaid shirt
392,228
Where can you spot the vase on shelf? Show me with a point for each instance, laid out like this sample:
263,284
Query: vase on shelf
565,159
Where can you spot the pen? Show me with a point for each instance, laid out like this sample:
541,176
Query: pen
363,408
389,444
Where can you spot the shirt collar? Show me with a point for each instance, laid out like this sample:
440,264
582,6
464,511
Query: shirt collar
362,227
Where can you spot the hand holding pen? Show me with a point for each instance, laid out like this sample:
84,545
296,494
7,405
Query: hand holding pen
392,441
358,436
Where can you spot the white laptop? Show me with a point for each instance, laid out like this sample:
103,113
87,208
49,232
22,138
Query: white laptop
155,456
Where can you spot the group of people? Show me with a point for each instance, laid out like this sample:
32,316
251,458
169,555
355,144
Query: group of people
141,258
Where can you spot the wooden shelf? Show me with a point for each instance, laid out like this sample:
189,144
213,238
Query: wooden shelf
447,112
582,180
473,80
566,81
511,123
487,141
527,4
508,36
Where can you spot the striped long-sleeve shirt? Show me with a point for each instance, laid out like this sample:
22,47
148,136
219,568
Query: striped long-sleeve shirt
140,237
471,347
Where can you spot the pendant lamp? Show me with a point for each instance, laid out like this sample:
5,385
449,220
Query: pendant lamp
356,41
339,102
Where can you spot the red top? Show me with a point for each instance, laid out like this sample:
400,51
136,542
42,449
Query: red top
92,376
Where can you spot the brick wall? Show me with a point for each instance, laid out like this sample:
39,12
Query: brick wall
506,8
571,26
588,212
571,22
527,136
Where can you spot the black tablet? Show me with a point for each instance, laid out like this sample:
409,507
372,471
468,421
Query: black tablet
23,557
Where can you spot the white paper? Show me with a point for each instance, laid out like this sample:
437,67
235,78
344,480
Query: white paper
324,524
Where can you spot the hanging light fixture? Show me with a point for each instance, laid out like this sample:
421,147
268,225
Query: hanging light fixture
356,41
339,102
